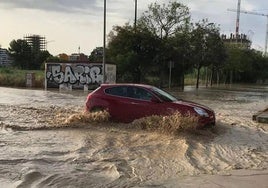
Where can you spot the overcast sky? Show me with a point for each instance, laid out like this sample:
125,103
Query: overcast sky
68,24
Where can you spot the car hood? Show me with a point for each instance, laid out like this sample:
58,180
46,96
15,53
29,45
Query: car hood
192,104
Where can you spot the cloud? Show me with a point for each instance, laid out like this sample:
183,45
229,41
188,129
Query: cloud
64,6
61,20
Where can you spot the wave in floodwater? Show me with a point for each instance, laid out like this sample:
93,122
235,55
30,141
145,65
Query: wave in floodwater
45,144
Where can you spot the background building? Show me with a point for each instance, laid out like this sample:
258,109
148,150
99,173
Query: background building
78,57
238,41
38,43
4,57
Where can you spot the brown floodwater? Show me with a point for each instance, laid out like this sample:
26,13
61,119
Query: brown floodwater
46,140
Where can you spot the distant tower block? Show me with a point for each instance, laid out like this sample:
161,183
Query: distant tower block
37,42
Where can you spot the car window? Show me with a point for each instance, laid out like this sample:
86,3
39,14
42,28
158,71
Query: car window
164,96
117,91
138,93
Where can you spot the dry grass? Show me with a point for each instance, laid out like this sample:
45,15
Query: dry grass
17,78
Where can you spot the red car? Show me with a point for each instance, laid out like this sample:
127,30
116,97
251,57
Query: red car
127,102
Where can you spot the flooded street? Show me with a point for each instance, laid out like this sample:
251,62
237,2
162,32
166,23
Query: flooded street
41,148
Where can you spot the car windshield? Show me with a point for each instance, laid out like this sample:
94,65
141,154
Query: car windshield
164,96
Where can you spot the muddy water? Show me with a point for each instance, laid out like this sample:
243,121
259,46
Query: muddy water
39,147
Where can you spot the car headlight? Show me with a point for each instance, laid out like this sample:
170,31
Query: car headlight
201,112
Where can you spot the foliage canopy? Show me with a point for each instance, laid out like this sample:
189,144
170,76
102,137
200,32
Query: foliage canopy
25,57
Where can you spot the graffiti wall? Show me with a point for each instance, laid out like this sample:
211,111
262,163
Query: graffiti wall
77,76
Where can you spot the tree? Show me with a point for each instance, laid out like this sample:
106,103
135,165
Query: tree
96,54
179,53
164,21
20,52
167,22
41,58
217,55
232,63
245,65
206,46
260,67
133,50
25,57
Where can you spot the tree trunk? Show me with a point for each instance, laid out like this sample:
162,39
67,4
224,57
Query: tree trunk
182,82
207,77
211,77
197,79
182,77
218,78
162,77
231,77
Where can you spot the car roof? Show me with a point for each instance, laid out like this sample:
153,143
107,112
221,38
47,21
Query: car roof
127,84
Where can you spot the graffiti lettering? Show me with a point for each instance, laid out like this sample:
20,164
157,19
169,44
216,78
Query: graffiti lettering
78,74
55,74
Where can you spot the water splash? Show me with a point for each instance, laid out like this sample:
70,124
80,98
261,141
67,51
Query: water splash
58,117
87,118
172,124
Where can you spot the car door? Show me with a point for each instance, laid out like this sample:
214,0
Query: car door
127,103
140,103
116,97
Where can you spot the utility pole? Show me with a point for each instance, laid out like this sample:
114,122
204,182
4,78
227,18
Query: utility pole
104,44
135,20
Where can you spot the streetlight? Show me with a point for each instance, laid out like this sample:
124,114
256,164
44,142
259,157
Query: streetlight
104,43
